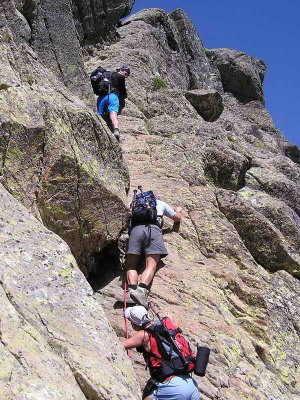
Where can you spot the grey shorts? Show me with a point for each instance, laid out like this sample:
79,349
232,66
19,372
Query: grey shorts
146,239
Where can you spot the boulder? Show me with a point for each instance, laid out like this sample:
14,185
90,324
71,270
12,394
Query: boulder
276,183
96,20
268,246
207,103
54,335
241,74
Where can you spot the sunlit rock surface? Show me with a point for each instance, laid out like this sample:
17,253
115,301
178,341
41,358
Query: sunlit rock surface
231,277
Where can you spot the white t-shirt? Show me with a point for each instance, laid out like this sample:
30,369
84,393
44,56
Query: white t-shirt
164,209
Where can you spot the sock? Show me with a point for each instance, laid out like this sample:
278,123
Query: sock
143,285
132,287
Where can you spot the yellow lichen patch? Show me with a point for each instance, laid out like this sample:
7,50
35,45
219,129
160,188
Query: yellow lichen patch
64,273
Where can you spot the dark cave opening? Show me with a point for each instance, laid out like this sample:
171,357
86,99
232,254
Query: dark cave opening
104,266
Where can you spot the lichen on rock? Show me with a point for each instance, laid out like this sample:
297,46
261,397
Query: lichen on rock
204,141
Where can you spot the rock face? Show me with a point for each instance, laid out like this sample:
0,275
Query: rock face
180,54
56,154
195,130
96,20
54,335
237,183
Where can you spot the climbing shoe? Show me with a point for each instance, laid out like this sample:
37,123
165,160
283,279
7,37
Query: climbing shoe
140,296
117,134
129,300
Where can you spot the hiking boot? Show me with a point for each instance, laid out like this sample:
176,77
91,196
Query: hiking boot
140,296
117,134
129,301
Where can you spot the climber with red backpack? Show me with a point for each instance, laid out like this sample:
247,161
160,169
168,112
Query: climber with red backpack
111,89
168,356
145,237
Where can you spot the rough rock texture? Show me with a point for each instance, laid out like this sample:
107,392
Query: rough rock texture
47,26
207,103
56,155
179,54
241,74
230,279
236,178
54,336
96,20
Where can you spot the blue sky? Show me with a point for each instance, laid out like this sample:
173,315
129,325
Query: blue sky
266,29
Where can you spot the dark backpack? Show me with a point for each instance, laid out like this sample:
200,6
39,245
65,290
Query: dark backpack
101,81
143,209
170,353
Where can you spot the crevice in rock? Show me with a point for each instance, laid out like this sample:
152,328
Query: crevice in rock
104,266
27,10
6,140
293,152
224,172
242,176
49,332
208,253
82,224
17,357
261,352
53,47
85,386
10,298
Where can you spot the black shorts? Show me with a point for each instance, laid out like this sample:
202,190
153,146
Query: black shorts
146,239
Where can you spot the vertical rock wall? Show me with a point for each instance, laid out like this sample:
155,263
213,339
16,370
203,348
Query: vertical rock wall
57,156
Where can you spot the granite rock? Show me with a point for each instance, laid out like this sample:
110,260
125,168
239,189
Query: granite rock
240,73
54,335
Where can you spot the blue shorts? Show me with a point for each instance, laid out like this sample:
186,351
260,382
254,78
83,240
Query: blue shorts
180,387
108,103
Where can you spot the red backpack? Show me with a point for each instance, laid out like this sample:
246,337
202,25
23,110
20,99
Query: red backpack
170,353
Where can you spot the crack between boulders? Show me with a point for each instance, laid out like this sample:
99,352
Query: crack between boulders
19,312
44,323
79,385
5,152
257,179
78,203
219,205
10,299
19,356
87,390
41,170
198,238
53,46
243,172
